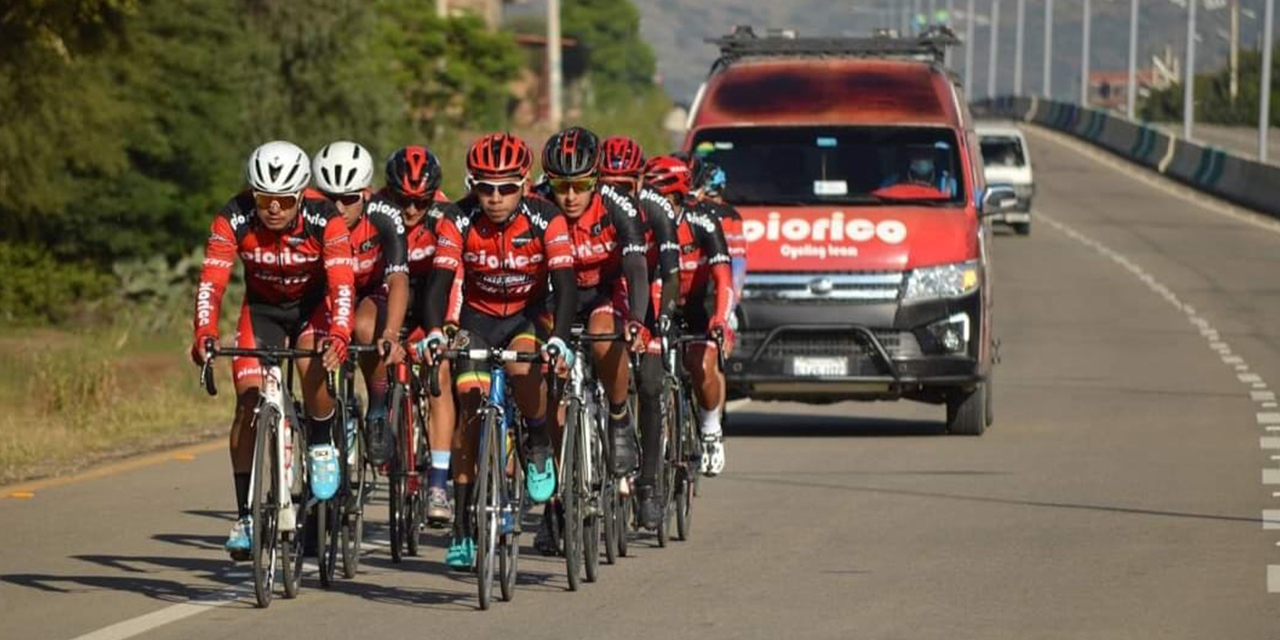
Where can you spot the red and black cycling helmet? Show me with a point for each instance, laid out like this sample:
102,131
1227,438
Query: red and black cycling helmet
668,175
572,152
621,156
413,171
499,155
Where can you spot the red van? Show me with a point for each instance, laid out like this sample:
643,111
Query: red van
855,166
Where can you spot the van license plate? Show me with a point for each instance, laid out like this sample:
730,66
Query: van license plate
820,366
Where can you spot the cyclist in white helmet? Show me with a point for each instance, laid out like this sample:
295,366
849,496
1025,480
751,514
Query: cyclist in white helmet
344,175
299,289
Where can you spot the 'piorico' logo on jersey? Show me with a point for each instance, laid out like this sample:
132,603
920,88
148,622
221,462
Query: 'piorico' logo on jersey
284,257
622,201
486,259
204,304
382,208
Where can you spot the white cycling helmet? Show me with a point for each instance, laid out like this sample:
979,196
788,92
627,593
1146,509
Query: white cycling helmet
343,167
278,167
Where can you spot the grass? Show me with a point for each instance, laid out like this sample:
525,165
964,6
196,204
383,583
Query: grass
75,398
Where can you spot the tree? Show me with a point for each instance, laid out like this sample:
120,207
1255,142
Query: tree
615,58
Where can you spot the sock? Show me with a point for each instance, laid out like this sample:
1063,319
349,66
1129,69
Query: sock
242,493
710,419
321,431
462,510
618,415
439,474
377,396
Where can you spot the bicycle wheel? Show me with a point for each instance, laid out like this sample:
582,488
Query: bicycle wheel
609,513
593,454
415,499
292,543
352,522
622,510
395,506
570,494
488,507
513,512
263,507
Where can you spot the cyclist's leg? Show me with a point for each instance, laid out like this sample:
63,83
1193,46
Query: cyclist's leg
371,315
471,382
320,407
649,385
255,328
701,360
613,367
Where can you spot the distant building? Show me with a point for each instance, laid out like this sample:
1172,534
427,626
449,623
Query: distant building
489,10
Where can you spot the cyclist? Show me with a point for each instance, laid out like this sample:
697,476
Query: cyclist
299,287
343,173
622,165
709,182
413,176
704,272
508,247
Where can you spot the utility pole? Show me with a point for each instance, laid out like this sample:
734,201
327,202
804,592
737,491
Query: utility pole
1264,108
951,23
992,62
1048,49
1189,73
1234,59
1017,47
1131,90
555,78
1084,54
442,8
968,50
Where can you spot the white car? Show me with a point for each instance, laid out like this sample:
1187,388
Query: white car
1006,161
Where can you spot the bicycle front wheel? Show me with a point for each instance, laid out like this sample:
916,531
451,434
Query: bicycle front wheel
571,494
352,522
263,507
488,507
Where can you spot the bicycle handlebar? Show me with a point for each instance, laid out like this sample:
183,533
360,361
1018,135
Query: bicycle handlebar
492,356
212,351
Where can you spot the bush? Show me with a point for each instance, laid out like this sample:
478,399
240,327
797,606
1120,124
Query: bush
35,287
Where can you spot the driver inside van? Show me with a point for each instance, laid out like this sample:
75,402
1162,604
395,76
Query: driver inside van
919,180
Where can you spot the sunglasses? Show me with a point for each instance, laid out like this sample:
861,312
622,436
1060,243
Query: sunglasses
264,200
579,185
501,188
405,202
346,199
626,184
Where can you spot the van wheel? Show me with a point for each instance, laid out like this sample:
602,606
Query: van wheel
989,413
1022,228
967,412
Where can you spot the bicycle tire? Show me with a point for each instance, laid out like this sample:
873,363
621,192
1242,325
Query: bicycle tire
623,510
262,508
609,513
594,453
509,560
487,502
352,522
292,544
414,501
570,495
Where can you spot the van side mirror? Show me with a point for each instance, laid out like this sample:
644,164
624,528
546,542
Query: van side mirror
998,199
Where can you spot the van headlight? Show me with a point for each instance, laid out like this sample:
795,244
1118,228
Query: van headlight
943,281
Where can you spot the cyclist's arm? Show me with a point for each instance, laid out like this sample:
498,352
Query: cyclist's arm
215,273
395,254
716,251
340,277
635,266
559,252
444,268
661,218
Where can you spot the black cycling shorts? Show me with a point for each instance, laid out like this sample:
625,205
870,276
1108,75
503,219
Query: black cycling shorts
478,330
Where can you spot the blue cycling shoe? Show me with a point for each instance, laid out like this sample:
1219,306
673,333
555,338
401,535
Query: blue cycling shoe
461,554
240,542
540,476
322,462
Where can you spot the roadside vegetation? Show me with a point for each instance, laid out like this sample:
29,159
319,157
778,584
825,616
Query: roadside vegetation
126,125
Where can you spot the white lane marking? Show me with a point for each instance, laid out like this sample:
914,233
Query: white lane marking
1161,183
734,405
1271,518
173,613
1270,421
1269,405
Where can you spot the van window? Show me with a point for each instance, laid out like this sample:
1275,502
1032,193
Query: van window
825,164
1002,151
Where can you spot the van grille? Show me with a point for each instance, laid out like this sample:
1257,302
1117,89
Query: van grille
864,286
898,344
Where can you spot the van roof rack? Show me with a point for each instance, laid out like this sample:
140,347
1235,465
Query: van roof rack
931,45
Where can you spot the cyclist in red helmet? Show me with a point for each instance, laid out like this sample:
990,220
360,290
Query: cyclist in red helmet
510,248
709,183
299,288
705,298
413,175
622,166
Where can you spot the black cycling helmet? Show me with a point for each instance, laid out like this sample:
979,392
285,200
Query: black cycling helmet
413,171
572,152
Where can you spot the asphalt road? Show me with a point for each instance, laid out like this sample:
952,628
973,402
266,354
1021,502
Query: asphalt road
1120,494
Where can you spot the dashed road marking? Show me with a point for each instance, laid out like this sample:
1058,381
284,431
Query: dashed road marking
1273,578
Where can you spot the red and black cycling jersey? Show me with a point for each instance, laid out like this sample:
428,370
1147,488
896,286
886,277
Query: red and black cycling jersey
378,246
731,223
421,238
663,251
504,266
704,258
280,267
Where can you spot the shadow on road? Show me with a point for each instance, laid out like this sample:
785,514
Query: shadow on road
768,424
215,576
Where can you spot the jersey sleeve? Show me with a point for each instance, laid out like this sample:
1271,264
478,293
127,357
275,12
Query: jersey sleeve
215,273
393,239
715,248
448,245
556,244
340,277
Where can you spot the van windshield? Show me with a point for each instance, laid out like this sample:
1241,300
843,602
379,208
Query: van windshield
1002,151
827,165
